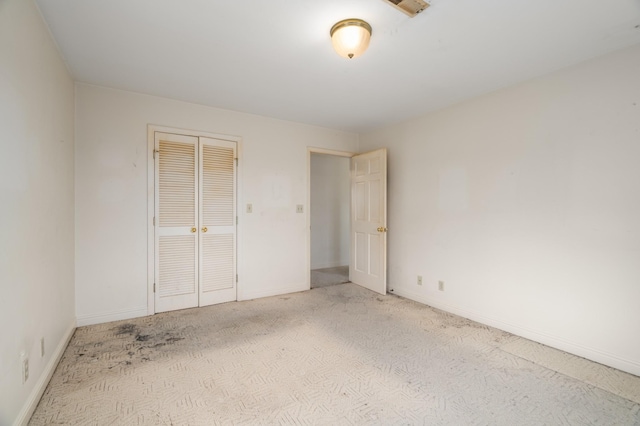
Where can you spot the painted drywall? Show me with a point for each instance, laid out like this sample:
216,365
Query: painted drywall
111,197
525,203
36,205
330,201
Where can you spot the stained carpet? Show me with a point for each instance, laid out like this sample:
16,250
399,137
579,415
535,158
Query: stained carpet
334,355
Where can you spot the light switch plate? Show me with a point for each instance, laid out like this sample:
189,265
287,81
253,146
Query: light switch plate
300,208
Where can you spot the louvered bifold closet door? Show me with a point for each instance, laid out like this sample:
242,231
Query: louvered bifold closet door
176,236
217,221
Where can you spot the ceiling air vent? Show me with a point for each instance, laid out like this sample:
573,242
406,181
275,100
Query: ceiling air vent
410,7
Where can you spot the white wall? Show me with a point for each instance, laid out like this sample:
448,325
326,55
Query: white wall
330,201
111,197
526,203
36,205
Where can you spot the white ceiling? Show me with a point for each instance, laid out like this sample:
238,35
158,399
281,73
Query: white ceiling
274,58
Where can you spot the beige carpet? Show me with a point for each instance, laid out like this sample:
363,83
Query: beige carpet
334,355
329,276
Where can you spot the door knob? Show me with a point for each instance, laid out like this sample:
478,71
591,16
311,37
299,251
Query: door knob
204,229
194,229
382,229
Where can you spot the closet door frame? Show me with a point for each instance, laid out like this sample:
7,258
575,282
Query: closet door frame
151,131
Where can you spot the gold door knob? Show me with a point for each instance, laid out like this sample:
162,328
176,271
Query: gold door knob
204,229
194,229
382,229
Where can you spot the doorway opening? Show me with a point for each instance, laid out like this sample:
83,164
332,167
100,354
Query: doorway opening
330,201
364,220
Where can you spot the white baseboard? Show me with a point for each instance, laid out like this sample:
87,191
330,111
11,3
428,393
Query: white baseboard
40,386
557,342
273,292
112,316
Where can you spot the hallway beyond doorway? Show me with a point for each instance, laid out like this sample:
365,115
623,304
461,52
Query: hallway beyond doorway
329,276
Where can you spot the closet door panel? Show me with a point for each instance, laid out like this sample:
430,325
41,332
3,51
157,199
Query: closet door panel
176,236
218,221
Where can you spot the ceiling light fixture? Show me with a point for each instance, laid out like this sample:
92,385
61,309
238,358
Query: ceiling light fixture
350,37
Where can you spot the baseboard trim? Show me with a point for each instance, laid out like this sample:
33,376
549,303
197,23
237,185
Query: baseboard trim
40,386
597,355
274,292
112,316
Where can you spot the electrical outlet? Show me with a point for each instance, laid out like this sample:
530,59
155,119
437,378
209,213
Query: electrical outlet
419,279
300,208
42,347
25,369
441,285
249,208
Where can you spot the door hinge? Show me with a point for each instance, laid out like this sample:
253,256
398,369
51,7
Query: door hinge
154,221
236,277
236,161
154,287
154,153
236,220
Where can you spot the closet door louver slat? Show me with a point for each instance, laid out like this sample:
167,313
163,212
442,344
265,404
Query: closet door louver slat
177,271
217,271
217,185
177,184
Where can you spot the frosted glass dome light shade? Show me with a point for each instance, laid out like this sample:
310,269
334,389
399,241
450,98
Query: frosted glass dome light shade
350,37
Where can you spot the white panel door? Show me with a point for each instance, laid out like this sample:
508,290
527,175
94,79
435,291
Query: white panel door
368,266
217,221
176,233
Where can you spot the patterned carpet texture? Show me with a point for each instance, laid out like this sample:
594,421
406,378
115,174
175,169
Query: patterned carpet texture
337,355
